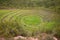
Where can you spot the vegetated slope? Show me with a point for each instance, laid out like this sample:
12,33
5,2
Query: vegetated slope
10,23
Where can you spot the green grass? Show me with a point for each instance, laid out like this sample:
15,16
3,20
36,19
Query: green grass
26,22
3,12
31,20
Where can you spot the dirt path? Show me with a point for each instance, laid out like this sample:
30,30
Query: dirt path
31,38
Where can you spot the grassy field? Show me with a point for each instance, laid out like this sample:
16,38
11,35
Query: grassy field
26,22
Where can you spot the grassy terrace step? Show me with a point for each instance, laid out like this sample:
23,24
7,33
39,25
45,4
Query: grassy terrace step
3,12
10,15
5,15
